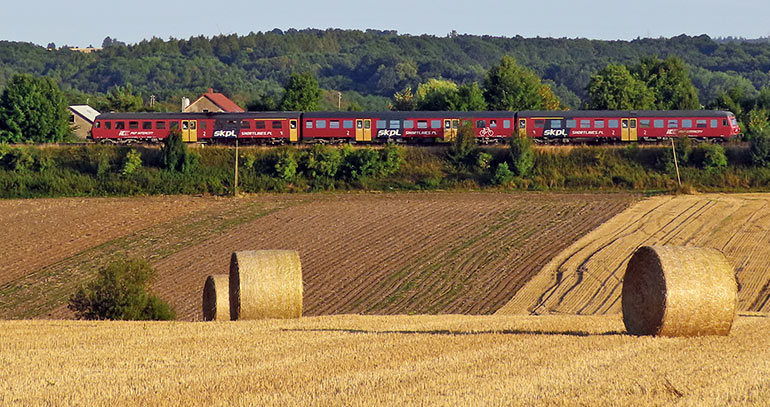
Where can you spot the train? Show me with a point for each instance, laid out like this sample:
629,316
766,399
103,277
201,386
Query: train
417,126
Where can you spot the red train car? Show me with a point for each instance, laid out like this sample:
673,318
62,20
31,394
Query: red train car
626,125
404,126
269,127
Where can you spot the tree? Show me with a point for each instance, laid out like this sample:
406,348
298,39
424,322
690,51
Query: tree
302,93
175,156
404,100
470,98
669,82
614,88
123,99
120,291
436,94
32,109
760,147
509,86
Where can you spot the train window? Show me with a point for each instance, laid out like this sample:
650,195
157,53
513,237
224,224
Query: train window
108,125
571,124
173,125
644,123
408,124
320,124
687,123
455,124
146,125
120,125
259,124
394,124
334,124
673,123
447,125
348,124
599,124
359,124
585,124
733,120
624,123
724,122
658,123
556,124
309,124
493,124
381,124
613,124
714,123
184,124
633,123
701,124
435,124
245,125
367,124
293,124
480,124
277,124
422,124
539,124
506,124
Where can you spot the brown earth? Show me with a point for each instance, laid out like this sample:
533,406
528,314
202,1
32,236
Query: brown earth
587,277
361,253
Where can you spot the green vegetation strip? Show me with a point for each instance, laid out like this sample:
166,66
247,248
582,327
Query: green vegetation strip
44,290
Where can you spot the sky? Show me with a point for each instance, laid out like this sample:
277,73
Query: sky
88,22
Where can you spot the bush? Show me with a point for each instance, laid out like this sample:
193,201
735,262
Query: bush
760,147
710,157
522,155
683,148
120,292
286,164
132,162
462,152
503,174
322,162
175,156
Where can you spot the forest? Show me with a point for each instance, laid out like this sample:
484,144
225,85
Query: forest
369,67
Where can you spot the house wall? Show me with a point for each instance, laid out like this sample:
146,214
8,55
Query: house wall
79,126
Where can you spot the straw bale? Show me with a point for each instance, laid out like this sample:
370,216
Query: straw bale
265,284
679,291
216,298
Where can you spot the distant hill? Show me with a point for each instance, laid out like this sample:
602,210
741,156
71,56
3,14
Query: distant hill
372,63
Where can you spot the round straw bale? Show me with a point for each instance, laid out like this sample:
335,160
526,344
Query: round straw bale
216,298
679,291
265,284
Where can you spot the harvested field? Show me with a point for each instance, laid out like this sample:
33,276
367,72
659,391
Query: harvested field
361,253
587,277
379,360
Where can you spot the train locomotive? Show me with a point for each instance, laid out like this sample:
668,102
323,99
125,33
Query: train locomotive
416,126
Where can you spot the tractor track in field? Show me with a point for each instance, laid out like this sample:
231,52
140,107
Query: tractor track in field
587,277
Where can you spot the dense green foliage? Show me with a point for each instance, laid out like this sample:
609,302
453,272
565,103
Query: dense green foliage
302,93
121,291
614,88
669,82
510,86
32,109
175,156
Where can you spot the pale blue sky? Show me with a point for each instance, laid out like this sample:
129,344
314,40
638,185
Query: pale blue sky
80,23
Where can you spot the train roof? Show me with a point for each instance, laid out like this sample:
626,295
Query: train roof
408,114
624,113
197,115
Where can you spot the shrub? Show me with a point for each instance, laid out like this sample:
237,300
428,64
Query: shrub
391,157
132,162
683,148
322,162
710,156
286,164
522,155
462,151
503,174
760,147
120,292
174,152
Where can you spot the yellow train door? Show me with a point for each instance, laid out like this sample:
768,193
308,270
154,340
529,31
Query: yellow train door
360,130
189,131
367,129
450,129
522,128
293,132
632,130
624,133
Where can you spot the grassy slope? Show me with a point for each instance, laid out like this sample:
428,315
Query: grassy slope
364,360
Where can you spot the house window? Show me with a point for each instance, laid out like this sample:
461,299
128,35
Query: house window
72,119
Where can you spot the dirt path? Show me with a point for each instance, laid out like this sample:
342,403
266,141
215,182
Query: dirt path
587,277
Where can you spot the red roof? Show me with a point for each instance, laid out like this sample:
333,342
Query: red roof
221,100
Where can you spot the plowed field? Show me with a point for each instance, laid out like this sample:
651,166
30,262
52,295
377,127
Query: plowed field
361,253
587,277
343,360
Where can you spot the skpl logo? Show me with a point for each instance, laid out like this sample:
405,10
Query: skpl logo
555,133
225,134
388,133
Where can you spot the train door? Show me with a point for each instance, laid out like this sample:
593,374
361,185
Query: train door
628,130
360,130
367,129
293,132
522,128
189,131
450,129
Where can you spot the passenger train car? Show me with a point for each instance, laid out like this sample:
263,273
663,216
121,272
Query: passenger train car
416,126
